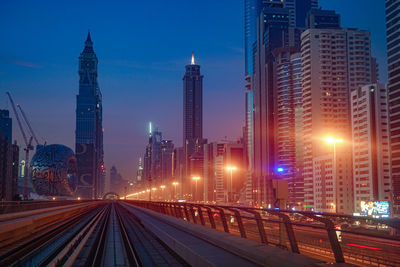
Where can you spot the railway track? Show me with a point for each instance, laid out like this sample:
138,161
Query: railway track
107,235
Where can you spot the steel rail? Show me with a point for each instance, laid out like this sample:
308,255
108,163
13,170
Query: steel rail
130,250
40,239
74,247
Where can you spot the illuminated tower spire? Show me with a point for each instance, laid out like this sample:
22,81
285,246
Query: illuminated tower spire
192,58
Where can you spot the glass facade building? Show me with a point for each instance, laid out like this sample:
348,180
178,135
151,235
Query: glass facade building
89,129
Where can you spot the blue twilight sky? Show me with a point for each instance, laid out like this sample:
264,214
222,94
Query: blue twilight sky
142,47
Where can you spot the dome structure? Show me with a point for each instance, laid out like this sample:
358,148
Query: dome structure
54,171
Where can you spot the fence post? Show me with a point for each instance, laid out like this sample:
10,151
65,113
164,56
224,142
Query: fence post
201,215
193,213
186,212
210,217
333,240
223,219
260,225
289,230
240,222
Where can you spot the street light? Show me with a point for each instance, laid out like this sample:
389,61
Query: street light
175,184
334,141
195,178
231,169
162,191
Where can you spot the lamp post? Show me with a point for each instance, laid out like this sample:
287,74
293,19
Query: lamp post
231,169
162,191
175,184
334,141
195,178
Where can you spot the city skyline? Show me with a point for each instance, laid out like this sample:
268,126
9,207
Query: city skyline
130,105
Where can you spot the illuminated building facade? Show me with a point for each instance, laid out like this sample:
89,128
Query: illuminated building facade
289,121
167,150
279,24
371,162
192,118
335,62
139,173
152,157
54,171
393,51
217,183
89,129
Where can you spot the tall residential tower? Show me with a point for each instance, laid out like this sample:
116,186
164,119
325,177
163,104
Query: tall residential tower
393,51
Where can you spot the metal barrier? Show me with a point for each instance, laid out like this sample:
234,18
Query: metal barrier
18,206
276,227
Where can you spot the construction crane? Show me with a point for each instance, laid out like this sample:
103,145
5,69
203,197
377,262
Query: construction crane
28,144
28,124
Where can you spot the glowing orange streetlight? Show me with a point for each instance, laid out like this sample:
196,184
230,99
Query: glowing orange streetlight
196,179
231,169
334,141
175,184
162,189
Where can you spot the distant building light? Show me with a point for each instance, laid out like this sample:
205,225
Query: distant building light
280,169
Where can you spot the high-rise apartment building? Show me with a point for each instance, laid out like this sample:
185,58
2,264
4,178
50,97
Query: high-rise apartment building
297,11
335,62
289,121
393,51
370,129
167,150
279,25
89,129
218,184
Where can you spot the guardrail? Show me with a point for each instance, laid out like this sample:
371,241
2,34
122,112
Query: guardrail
18,206
298,231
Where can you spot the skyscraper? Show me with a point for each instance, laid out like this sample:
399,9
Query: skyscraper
152,157
393,51
192,106
167,150
89,129
335,62
268,25
272,33
9,155
192,114
5,125
289,121
370,130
